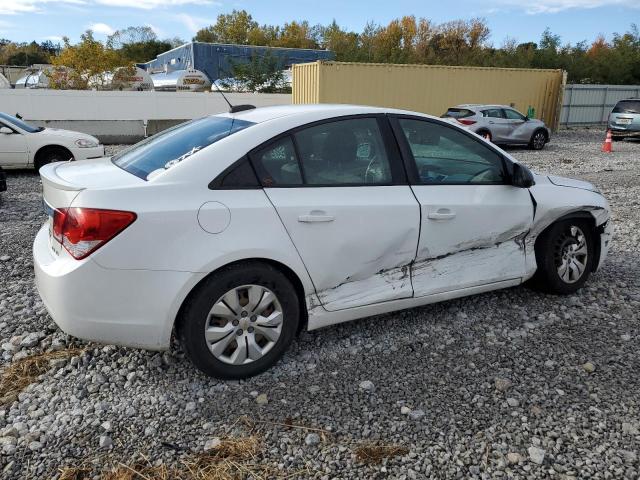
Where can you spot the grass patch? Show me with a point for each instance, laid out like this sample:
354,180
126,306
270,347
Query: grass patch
18,375
376,452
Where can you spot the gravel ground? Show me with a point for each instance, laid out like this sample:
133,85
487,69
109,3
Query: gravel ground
510,384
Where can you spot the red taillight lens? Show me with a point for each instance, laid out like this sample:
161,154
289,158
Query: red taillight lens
466,122
81,231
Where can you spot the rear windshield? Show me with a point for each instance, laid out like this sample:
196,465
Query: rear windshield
162,151
627,106
458,113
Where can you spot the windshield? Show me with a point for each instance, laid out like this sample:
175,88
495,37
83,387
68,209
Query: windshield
20,124
160,152
627,106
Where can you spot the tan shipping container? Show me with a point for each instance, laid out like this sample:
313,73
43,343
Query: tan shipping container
429,89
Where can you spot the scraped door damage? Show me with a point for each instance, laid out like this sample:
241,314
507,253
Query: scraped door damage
471,235
357,243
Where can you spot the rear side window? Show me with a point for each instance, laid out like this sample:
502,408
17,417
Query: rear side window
344,152
627,106
160,152
493,113
445,155
458,113
277,164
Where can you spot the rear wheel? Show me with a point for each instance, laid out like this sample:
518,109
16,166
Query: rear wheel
565,256
538,140
240,321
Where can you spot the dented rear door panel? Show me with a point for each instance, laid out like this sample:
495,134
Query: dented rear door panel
357,243
480,238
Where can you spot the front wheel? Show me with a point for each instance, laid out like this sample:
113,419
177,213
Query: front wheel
240,321
565,256
538,140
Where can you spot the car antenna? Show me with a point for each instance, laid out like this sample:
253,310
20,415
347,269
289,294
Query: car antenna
233,108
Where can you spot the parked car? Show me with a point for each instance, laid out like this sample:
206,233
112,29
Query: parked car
3,181
624,119
23,145
237,230
502,125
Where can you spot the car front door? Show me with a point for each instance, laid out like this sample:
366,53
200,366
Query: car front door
497,124
518,127
341,193
473,221
13,147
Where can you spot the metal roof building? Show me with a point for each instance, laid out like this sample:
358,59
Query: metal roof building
215,59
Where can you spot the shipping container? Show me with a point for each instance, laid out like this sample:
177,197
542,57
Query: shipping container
429,89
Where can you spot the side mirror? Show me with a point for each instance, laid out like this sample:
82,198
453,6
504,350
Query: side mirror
522,176
6,131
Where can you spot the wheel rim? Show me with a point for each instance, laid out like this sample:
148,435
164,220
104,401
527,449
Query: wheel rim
538,140
572,255
244,324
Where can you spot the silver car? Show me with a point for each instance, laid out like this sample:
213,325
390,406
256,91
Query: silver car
501,124
624,120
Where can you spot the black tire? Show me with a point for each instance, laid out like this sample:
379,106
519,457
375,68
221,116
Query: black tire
50,155
549,249
538,140
486,134
195,317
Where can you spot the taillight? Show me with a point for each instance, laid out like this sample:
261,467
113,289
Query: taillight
466,122
81,231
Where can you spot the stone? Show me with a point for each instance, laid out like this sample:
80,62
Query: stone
367,385
262,399
212,444
589,367
105,441
536,454
312,439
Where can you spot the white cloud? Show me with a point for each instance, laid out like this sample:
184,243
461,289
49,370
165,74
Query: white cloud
555,6
193,24
13,7
54,38
101,28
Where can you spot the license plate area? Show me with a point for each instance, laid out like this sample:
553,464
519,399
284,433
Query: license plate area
624,121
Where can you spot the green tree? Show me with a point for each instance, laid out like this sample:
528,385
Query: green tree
235,27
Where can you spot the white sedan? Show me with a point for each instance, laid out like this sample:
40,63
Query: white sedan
23,145
237,230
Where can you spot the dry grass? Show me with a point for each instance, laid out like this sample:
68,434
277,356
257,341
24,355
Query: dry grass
18,375
375,452
75,473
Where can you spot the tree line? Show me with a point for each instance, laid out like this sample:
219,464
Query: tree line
460,42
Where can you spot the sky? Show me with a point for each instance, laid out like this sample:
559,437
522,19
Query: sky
522,20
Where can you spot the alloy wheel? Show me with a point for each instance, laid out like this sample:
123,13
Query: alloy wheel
571,255
244,324
539,140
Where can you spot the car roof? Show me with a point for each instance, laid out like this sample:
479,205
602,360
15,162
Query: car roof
264,114
481,105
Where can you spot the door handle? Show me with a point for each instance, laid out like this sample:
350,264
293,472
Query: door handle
442,214
491,122
316,216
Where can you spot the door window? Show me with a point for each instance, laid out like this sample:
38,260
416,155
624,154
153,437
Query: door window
513,115
277,164
344,152
444,155
493,113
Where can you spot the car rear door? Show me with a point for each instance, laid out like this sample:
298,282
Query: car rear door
473,221
13,148
340,190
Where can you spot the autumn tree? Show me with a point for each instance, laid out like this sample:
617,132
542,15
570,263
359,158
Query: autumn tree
86,61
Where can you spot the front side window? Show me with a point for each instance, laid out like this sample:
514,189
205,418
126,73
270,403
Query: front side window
344,152
160,152
445,155
513,115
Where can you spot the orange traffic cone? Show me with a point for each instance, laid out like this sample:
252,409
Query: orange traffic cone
607,147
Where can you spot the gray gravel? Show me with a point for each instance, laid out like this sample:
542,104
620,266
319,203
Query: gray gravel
507,384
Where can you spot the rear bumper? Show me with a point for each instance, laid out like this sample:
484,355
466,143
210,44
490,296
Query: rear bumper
134,308
619,131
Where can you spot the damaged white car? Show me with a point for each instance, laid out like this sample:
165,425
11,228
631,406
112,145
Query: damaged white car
237,230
